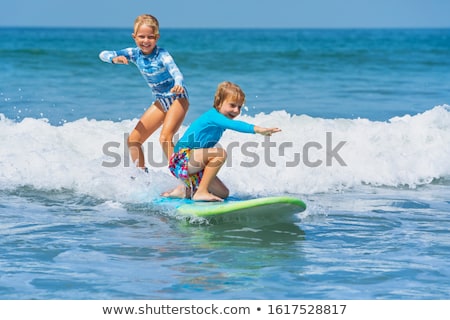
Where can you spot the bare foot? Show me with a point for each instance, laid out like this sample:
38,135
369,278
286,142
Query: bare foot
178,192
205,197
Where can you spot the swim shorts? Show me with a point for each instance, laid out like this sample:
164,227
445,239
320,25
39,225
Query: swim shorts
167,101
178,166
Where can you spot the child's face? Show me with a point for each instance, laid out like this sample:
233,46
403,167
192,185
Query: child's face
231,107
146,39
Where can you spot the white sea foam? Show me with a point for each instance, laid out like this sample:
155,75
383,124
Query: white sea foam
310,155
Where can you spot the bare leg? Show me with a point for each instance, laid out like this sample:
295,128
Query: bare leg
210,160
218,188
150,121
172,122
174,118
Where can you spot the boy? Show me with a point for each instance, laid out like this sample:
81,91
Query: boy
196,160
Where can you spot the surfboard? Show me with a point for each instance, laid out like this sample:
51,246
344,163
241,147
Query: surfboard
267,210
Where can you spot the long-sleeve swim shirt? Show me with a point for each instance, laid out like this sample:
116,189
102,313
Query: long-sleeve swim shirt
207,130
158,68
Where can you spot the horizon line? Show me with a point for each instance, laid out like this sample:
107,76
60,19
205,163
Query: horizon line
234,28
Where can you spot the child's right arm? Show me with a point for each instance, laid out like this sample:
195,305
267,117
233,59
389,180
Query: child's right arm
119,57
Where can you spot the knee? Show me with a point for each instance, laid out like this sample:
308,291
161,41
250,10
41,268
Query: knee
135,137
224,155
226,193
222,192
133,141
221,155
165,138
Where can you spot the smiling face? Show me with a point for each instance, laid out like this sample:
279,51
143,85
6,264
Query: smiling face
146,38
231,107
229,99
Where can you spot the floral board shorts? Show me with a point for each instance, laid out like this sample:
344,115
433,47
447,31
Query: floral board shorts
178,166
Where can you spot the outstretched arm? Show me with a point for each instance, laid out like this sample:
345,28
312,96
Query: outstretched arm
240,126
266,131
118,57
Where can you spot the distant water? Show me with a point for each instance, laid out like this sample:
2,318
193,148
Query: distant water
365,143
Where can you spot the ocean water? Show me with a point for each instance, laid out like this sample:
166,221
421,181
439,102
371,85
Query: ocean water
365,142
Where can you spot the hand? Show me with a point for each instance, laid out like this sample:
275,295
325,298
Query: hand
120,60
266,131
177,89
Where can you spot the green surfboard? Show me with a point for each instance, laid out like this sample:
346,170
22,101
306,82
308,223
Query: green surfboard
263,210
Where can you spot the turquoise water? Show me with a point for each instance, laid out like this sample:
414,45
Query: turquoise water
377,223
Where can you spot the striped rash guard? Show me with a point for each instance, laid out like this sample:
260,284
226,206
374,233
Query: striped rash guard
158,68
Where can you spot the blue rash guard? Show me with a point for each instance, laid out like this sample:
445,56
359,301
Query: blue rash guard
158,68
207,130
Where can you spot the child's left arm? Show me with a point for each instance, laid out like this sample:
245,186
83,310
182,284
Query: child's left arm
174,72
266,131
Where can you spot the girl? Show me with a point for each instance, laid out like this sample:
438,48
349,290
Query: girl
196,161
166,81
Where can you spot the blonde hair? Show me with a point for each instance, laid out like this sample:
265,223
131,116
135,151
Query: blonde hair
226,90
148,20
